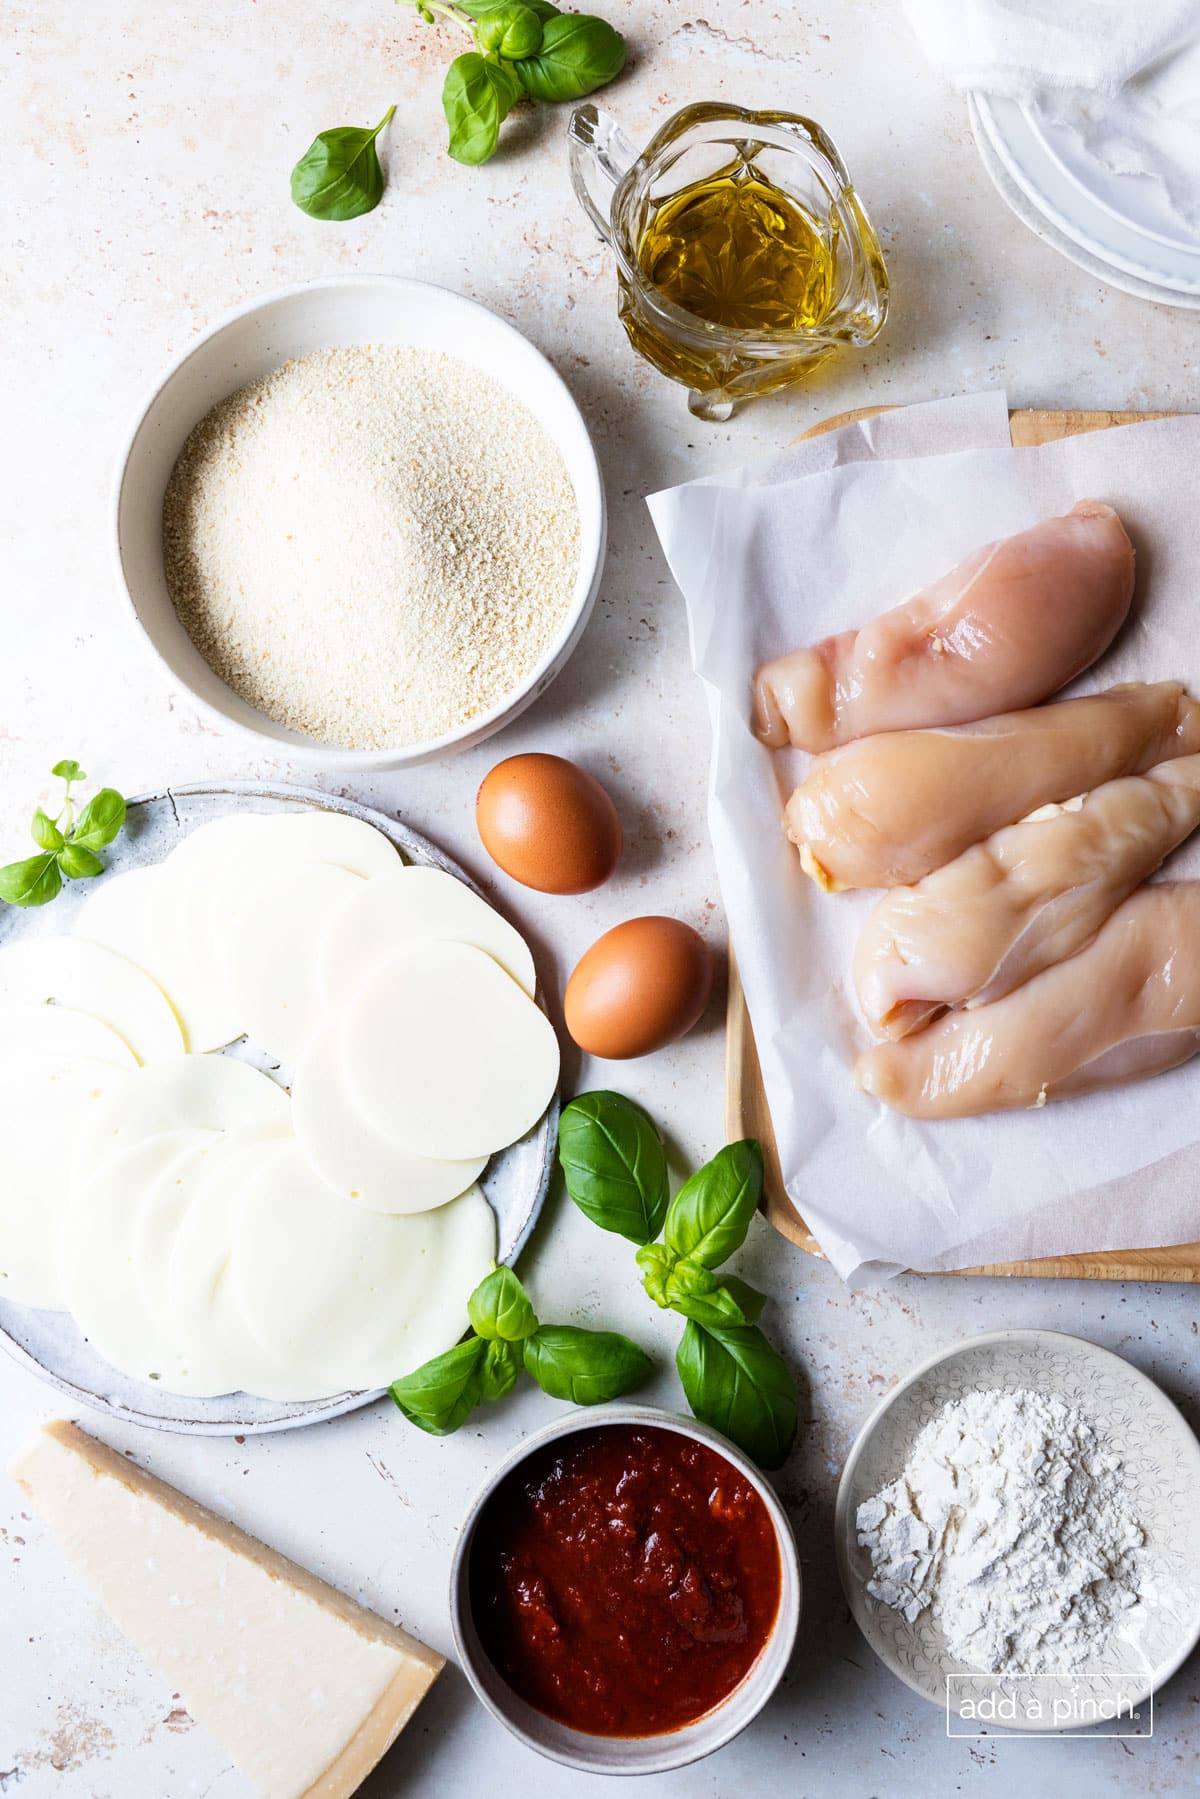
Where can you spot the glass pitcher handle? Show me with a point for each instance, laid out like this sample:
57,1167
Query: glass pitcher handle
600,155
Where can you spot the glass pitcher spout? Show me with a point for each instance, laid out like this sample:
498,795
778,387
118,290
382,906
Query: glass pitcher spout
601,156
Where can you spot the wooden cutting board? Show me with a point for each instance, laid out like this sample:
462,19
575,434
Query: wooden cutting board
746,1110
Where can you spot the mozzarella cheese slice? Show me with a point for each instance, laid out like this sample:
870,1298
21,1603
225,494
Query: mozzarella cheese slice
271,966
86,977
43,1105
355,1159
97,1262
37,1031
305,1689
207,1093
411,905
348,1297
196,1290
144,916
444,1051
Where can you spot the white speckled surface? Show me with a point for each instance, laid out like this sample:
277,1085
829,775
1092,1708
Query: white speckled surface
147,154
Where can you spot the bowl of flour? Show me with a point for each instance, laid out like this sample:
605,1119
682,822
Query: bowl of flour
1018,1536
363,519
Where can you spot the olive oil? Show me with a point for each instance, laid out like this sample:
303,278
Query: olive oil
738,252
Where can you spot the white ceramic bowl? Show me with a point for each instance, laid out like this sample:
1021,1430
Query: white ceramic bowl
335,311
1162,1468
628,1755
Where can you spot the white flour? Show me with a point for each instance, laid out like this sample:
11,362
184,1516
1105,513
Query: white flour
1012,1522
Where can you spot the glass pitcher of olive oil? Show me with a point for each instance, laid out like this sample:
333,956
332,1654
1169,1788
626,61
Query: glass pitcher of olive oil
744,255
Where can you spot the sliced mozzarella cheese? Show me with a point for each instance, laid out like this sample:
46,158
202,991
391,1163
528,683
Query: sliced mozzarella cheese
97,1263
194,1289
271,965
444,1052
86,977
411,904
207,1093
219,863
349,1298
43,1106
40,1032
144,916
354,1158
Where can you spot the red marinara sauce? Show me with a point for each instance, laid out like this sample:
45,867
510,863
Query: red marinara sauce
624,1579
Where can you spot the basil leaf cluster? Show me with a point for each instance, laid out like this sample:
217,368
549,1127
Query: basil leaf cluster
523,49
583,1366
67,843
615,1168
339,176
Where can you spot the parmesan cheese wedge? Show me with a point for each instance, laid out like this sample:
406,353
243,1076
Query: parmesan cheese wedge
305,1689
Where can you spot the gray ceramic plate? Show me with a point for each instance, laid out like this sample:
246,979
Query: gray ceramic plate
1162,1466
47,1343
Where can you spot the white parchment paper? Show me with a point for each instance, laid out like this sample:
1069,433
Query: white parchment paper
822,538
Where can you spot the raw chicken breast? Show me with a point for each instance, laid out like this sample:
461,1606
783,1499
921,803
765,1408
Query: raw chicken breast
886,810
1028,897
1006,628
1125,1007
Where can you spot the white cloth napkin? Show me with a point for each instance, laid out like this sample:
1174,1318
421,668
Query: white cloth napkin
1122,75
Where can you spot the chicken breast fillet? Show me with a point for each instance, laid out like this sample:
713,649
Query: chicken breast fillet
1009,626
1031,895
885,811
1126,1007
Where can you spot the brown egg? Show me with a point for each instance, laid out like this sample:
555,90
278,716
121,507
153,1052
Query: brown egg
639,987
548,824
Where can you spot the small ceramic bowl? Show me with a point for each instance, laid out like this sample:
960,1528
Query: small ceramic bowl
628,1755
336,311
1161,1459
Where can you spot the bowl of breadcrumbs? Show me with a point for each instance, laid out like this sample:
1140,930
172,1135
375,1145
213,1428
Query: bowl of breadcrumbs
363,519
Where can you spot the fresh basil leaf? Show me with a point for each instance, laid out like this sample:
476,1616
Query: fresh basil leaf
33,882
78,863
696,1292
477,96
578,55
500,1308
512,31
339,176
46,833
68,771
614,1164
656,1264
480,9
736,1382
442,1393
100,821
710,1215
586,1367
499,1369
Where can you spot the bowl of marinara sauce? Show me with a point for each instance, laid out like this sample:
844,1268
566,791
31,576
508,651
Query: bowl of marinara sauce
626,1591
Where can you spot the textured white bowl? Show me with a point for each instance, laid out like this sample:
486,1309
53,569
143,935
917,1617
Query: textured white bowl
1162,1468
337,311
628,1755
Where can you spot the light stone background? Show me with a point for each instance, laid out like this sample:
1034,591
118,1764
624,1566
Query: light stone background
147,151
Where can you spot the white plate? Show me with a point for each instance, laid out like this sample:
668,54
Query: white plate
1051,198
1162,1466
48,1343
250,343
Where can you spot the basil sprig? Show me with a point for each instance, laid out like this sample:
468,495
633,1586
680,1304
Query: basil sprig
615,1168
67,843
523,49
339,176
585,1367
